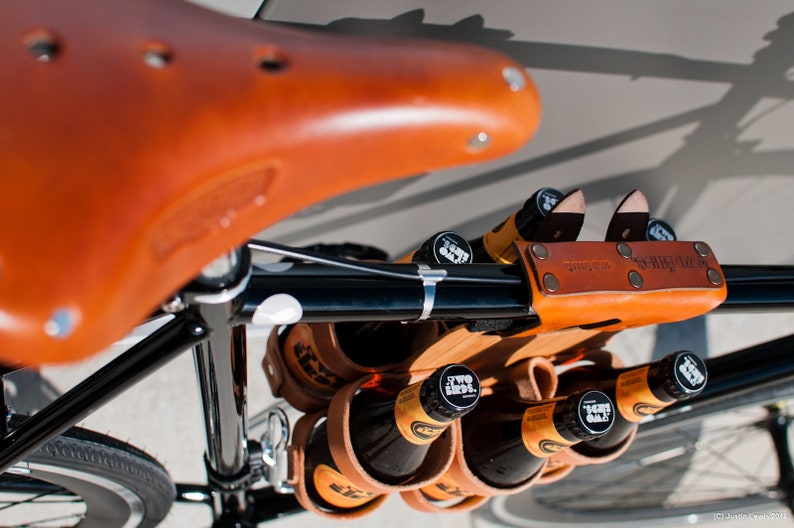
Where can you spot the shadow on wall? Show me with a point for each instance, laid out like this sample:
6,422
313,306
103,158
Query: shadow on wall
712,151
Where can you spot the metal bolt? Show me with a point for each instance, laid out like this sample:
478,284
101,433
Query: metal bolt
625,250
540,251
551,283
635,279
702,249
480,141
174,305
714,277
221,266
61,324
514,78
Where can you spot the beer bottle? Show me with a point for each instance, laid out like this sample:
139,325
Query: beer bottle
374,344
446,247
392,432
370,344
497,244
505,442
326,486
637,391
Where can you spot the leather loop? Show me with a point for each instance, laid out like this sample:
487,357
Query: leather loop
283,384
532,380
439,456
300,438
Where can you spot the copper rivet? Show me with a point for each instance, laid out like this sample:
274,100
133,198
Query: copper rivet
551,283
540,251
635,279
714,277
625,250
702,249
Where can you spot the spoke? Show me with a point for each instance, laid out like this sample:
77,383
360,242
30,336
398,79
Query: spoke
45,522
676,469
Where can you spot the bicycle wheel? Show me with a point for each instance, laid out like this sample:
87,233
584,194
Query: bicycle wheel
85,479
681,469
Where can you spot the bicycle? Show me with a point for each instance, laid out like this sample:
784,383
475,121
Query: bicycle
233,468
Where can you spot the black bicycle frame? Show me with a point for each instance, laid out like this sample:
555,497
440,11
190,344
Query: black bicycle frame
216,333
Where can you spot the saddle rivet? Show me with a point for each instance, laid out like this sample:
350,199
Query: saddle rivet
480,141
157,59
61,324
714,277
43,45
635,279
514,78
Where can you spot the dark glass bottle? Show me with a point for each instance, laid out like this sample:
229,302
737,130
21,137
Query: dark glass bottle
637,391
369,344
392,432
446,247
326,486
505,442
497,244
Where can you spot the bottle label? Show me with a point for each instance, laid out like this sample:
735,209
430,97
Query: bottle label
303,362
336,490
412,420
444,489
540,436
498,242
633,396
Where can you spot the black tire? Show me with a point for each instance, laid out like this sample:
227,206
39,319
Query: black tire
679,470
87,479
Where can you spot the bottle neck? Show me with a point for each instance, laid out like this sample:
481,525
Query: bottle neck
423,411
547,429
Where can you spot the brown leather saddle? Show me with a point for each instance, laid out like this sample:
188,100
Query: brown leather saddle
140,140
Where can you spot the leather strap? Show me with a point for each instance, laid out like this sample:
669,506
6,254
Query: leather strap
439,456
300,438
533,379
281,382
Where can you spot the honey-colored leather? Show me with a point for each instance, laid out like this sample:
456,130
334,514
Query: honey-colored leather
531,380
592,286
438,458
297,451
121,179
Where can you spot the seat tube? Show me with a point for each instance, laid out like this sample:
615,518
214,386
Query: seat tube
222,376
